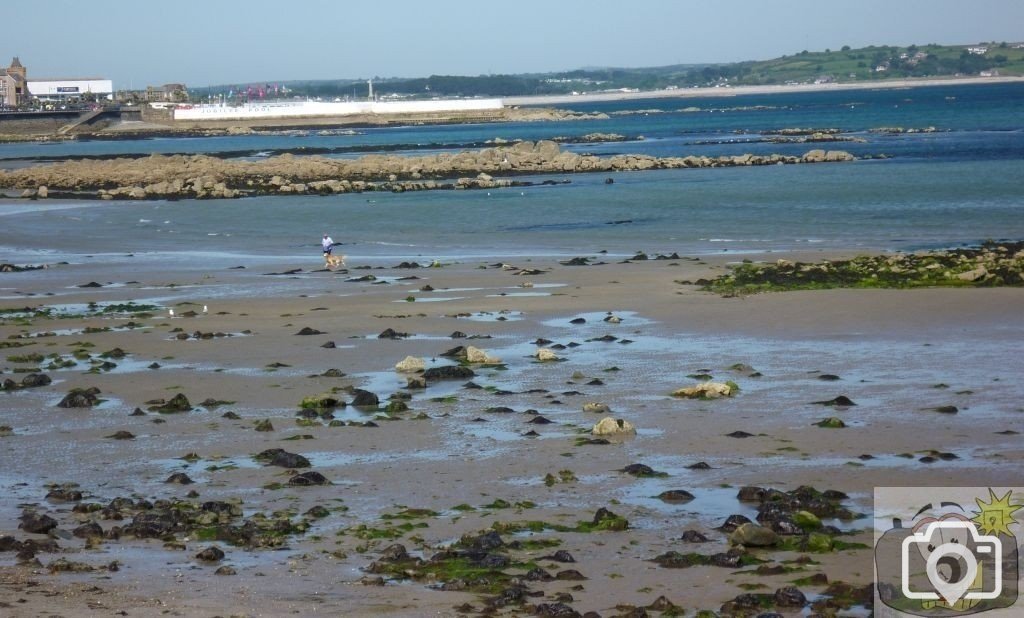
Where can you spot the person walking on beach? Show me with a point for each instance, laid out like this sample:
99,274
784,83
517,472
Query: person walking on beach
328,244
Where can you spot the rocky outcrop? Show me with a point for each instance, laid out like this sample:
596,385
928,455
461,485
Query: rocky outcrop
545,355
206,177
707,390
410,364
609,426
992,264
476,355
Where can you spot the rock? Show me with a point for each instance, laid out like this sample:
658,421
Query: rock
178,403
63,565
36,523
80,398
831,422
64,494
641,471
609,426
973,275
740,434
122,435
308,478
34,380
364,399
560,610
818,543
692,536
476,355
544,355
410,364
88,530
814,156
179,478
415,383
395,552
790,597
309,331
396,407
749,493
320,402
570,575
597,407
282,458
753,535
225,570
841,401
806,520
707,390
211,554
390,333
448,372
675,496
733,522
607,520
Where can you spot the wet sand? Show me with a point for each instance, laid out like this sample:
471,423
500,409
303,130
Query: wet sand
897,354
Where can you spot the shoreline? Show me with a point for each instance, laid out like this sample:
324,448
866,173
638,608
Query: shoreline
705,92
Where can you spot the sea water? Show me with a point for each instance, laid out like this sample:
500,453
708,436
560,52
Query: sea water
959,184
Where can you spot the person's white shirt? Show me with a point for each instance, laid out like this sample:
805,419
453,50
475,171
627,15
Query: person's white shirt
327,243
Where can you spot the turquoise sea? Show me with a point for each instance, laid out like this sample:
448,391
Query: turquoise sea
960,183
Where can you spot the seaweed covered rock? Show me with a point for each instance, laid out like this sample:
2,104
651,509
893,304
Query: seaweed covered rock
991,264
282,458
80,398
178,403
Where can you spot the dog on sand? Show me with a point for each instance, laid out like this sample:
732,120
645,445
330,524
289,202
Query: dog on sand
334,261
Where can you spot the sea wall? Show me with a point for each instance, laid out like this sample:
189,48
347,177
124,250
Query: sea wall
302,109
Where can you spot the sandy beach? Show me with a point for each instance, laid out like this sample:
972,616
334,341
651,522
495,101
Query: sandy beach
460,461
732,91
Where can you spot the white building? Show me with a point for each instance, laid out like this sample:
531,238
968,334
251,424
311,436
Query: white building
63,89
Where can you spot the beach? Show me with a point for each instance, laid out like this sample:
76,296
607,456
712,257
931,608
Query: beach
460,461
652,389
732,91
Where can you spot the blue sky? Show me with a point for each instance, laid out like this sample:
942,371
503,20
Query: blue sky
230,41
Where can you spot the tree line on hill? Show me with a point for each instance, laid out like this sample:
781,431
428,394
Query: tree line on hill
846,64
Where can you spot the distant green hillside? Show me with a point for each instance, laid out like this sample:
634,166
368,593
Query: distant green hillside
878,63
845,65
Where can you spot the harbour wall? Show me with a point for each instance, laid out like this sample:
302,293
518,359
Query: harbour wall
306,109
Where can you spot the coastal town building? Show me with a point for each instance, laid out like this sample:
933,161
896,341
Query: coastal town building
174,93
13,84
69,89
